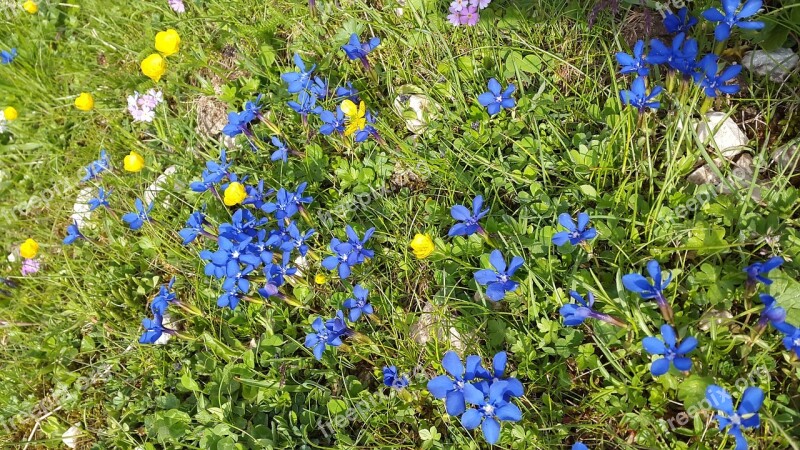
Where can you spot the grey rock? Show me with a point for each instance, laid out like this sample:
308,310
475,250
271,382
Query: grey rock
722,133
777,64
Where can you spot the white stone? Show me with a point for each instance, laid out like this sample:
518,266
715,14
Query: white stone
422,108
70,437
721,132
80,210
777,64
168,323
157,186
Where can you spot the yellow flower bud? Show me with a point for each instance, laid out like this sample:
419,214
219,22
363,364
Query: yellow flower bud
28,249
30,6
10,113
84,102
133,162
168,42
320,278
422,245
234,194
154,66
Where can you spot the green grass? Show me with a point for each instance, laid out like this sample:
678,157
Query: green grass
69,349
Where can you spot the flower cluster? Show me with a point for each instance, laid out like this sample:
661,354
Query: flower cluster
167,43
349,253
466,12
488,392
142,106
681,55
331,332
154,328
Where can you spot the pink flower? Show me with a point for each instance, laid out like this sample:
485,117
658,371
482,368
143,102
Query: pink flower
177,6
469,16
142,106
458,5
454,17
30,267
480,4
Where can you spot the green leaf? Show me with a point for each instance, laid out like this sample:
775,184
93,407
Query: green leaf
693,390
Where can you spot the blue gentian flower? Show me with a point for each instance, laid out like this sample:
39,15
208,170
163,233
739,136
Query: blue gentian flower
498,281
758,271
772,312
684,55
297,240
282,153
73,234
300,80
671,352
681,22
368,130
791,338
253,108
211,269
164,298
279,271
305,104
238,252
153,329
514,387
579,446
238,123
230,297
358,305
451,388
575,313
325,333
574,234
256,194
355,49
638,97
243,225
98,166
746,416
468,222
236,276
135,220
298,198
392,379
194,227
284,205
729,18
347,92
214,172
342,258
100,200
636,63
359,252
496,99
332,122
708,79
7,56
319,87
491,409
635,282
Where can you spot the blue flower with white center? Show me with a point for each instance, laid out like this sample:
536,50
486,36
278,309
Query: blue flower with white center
306,104
451,388
711,83
73,234
745,416
490,410
95,168
284,205
100,200
326,333
358,305
299,80
297,240
496,98
359,252
728,18
575,313
342,258
791,338
332,122
638,97
575,234
673,354
467,221
681,22
194,227
498,281
136,220
635,282
282,153
636,63
355,49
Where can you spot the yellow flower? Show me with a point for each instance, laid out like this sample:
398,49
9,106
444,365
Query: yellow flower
168,42
84,102
422,245
30,6
355,114
28,249
10,113
234,194
133,162
154,66
320,278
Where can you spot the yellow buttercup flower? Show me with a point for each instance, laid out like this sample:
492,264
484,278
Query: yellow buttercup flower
29,249
168,42
154,66
30,6
133,162
320,278
10,113
422,245
84,102
355,115
234,194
